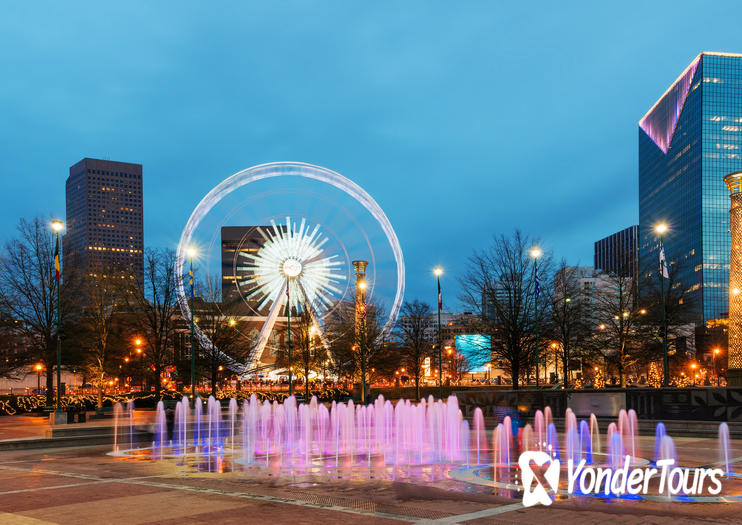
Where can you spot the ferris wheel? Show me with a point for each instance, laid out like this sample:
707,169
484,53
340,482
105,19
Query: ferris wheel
295,254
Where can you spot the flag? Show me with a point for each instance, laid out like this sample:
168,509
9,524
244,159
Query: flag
193,292
440,296
536,282
663,263
56,260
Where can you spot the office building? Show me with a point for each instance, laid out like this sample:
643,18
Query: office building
618,254
235,282
104,222
688,141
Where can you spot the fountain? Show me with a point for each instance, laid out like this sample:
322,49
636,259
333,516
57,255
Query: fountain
724,448
426,440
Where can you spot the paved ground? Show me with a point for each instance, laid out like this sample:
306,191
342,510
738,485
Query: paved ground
84,485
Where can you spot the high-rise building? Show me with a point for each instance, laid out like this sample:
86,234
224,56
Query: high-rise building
688,141
618,253
104,218
236,240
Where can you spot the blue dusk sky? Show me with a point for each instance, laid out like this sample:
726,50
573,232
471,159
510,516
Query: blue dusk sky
462,119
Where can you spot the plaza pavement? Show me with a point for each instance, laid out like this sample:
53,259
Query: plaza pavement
83,485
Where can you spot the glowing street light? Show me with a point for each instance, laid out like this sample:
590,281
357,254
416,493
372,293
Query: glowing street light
535,253
58,226
191,251
660,228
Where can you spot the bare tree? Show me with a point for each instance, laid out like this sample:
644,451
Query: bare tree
620,337
153,302
341,333
310,353
417,344
219,322
679,307
100,296
499,284
28,294
570,327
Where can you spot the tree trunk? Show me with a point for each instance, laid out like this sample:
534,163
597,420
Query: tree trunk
514,374
99,404
417,386
306,384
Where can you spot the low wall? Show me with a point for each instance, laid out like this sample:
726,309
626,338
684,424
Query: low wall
699,404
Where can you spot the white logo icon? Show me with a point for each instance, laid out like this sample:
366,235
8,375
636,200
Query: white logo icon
534,491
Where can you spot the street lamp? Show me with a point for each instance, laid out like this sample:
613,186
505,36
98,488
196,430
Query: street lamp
438,271
660,230
714,355
58,226
362,285
693,367
191,254
536,253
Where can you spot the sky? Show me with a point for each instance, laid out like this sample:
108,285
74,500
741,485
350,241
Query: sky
463,120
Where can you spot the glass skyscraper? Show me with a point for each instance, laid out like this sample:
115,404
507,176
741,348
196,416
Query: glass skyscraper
688,141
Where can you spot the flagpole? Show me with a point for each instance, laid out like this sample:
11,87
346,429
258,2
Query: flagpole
663,265
438,272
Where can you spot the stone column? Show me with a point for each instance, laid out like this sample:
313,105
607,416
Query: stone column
734,367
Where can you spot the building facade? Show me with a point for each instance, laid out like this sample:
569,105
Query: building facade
238,240
688,141
618,253
104,219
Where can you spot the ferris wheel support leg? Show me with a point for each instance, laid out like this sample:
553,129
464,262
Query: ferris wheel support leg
265,331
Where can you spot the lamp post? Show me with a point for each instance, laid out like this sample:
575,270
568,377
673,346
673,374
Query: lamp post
451,358
536,253
693,367
714,355
660,229
288,337
438,272
57,226
191,254
362,290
